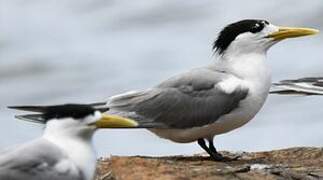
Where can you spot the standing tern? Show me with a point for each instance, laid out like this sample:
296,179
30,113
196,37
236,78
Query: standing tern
65,150
303,86
214,99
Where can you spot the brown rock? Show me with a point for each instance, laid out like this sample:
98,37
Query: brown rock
294,163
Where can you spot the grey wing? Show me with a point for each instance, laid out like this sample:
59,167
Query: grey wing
303,86
192,99
36,160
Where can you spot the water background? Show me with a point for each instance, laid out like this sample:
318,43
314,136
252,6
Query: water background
87,50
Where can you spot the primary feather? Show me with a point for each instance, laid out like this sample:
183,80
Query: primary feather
302,86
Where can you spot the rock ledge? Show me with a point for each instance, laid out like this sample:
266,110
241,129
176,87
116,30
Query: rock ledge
293,163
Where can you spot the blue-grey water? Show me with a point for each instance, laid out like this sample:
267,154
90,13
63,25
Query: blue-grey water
87,50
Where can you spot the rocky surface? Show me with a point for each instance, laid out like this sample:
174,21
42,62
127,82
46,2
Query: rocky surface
294,163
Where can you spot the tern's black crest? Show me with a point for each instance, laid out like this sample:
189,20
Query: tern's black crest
68,110
230,32
76,111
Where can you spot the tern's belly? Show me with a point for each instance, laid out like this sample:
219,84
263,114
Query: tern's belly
247,109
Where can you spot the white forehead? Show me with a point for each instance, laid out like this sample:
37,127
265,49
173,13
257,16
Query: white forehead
270,28
93,117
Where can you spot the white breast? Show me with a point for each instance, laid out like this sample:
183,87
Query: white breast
80,154
78,149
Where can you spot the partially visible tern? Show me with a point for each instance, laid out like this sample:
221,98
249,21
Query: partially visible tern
302,86
65,150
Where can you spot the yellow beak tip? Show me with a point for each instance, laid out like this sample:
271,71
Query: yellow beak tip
316,31
311,31
114,121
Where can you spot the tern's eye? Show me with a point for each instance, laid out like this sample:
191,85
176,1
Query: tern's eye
257,27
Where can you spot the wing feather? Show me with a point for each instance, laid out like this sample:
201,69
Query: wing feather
189,100
303,86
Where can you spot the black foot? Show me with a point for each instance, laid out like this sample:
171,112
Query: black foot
218,157
213,152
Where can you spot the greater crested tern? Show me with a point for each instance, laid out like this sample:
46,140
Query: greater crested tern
214,99
65,150
302,86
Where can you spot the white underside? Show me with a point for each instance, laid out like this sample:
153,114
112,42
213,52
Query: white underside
251,73
79,150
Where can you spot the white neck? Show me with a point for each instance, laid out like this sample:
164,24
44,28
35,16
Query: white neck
251,69
251,66
76,142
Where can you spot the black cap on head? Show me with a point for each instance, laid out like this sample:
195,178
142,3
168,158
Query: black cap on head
230,32
76,111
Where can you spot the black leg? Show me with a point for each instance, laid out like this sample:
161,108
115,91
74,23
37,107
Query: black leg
212,152
211,146
202,143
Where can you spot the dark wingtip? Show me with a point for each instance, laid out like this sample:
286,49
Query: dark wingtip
293,92
284,92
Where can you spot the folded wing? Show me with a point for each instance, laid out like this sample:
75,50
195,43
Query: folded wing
192,99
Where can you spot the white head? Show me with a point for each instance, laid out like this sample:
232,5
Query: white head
254,36
70,127
76,120
82,126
